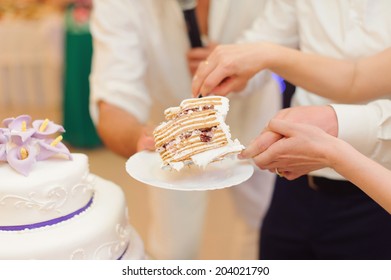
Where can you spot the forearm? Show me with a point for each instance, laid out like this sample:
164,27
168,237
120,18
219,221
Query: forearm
327,77
372,76
118,129
344,81
368,175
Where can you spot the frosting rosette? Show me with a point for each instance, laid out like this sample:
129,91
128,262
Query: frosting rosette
23,142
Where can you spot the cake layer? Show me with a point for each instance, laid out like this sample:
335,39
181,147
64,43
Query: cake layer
100,232
181,152
194,128
55,188
198,104
199,120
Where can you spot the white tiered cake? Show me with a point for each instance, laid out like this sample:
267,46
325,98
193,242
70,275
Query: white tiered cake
57,209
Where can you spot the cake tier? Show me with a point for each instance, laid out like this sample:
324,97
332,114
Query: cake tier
100,232
56,188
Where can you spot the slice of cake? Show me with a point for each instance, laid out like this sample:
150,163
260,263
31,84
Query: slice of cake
195,132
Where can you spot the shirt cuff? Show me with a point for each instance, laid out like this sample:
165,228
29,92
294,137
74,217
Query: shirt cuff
358,125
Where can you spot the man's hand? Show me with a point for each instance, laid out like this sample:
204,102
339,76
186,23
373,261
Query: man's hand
146,140
228,68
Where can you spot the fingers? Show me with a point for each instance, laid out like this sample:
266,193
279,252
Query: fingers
292,175
202,83
212,75
146,143
195,56
282,149
268,159
260,144
220,73
268,153
146,140
193,65
291,129
287,174
223,87
282,127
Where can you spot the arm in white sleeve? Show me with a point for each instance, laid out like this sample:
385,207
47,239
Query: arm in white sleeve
367,128
119,62
277,23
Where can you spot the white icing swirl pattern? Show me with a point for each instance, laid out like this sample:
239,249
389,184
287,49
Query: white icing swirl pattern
28,202
53,200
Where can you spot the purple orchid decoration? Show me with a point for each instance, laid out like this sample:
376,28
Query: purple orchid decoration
19,128
23,144
17,161
44,128
47,150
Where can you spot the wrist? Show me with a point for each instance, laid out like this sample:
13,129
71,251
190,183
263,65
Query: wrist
337,153
332,153
332,128
268,55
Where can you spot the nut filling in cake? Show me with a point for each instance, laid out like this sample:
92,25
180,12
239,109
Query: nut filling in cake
195,133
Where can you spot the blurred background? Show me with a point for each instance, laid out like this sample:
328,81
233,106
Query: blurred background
45,61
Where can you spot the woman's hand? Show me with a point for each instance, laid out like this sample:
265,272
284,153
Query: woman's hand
228,68
195,56
303,148
296,141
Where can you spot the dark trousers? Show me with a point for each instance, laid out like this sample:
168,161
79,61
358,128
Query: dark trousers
335,221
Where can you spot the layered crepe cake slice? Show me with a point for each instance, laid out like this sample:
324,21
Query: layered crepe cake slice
195,133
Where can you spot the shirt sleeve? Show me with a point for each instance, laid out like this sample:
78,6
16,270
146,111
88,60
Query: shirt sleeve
276,23
119,60
367,128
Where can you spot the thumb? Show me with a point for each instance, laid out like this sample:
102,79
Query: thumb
146,140
146,143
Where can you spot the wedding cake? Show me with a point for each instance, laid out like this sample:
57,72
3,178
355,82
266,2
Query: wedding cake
195,132
51,206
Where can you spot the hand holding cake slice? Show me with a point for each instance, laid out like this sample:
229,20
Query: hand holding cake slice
195,132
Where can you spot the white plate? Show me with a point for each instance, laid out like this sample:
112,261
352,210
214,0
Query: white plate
146,167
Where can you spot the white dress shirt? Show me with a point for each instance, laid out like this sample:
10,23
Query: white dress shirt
140,65
339,29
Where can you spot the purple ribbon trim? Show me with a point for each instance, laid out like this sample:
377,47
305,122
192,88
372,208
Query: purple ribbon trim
49,222
123,253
